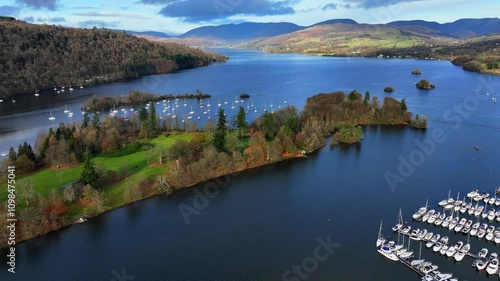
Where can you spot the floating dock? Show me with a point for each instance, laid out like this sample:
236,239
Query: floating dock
407,264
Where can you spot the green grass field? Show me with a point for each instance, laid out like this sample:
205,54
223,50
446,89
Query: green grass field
46,180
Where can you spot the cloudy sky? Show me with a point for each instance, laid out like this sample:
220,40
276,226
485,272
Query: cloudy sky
178,16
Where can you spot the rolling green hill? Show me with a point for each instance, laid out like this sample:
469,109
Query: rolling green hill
346,40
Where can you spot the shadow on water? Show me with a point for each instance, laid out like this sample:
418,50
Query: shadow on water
134,210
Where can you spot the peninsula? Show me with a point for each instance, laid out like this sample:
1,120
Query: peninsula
84,169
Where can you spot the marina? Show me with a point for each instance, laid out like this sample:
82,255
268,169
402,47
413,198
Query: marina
441,244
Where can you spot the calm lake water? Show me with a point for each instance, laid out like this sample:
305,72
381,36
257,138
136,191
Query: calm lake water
267,220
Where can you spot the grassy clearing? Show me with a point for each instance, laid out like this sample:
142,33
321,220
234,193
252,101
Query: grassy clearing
136,165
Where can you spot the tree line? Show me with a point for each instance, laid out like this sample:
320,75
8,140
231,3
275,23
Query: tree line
219,148
135,97
34,56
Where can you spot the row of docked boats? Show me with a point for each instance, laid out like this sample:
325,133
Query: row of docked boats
490,264
459,225
398,252
474,209
437,242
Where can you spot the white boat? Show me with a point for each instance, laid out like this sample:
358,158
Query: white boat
416,262
438,276
496,239
474,229
451,251
428,278
490,229
421,212
405,230
492,267
421,234
426,217
406,255
466,230
460,225
481,233
429,244
443,203
424,264
447,221
473,194
435,238
428,236
491,201
437,247
453,223
51,118
481,264
483,253
428,269
443,250
489,236
449,207
433,218
414,234
486,197
444,240
460,255
472,210
66,110
467,227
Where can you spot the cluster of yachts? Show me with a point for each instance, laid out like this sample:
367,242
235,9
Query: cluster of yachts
475,204
398,252
462,225
473,208
457,224
491,263
435,241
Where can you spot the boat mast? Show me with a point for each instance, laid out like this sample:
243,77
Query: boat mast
380,230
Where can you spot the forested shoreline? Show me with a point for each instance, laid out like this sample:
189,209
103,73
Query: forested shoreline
92,166
37,57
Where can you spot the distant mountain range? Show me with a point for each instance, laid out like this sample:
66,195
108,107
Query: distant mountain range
462,28
242,31
146,33
252,31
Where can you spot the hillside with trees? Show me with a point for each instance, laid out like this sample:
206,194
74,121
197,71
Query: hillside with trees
344,40
478,54
44,56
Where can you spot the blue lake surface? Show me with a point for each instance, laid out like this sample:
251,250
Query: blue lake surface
266,221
